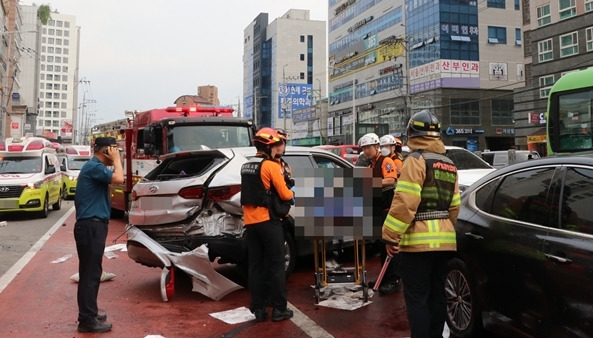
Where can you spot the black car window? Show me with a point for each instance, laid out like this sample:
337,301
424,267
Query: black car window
485,196
464,159
298,161
183,167
523,196
577,198
325,162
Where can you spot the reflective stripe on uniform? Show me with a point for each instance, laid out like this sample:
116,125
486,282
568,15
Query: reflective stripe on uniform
395,224
456,200
408,187
433,238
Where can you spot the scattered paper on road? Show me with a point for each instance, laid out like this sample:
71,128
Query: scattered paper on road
117,247
344,296
234,316
62,259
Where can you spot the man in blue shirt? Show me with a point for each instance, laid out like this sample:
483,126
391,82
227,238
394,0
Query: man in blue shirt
90,230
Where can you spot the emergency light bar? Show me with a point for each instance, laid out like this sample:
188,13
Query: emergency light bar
200,109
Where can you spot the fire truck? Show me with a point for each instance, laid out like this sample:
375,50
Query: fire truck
148,135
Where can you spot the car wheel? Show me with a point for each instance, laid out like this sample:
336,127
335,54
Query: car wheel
45,210
64,193
463,313
58,204
289,254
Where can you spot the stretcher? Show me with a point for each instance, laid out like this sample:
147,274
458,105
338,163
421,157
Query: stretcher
355,275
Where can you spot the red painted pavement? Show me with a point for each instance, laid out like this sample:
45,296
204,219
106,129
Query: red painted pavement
41,301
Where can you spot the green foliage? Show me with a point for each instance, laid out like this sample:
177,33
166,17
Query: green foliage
44,14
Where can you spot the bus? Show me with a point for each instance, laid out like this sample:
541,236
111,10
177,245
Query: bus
570,107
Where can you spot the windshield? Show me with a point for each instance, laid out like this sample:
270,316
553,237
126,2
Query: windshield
20,165
76,164
210,136
465,159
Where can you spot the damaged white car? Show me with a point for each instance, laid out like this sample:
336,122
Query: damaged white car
193,198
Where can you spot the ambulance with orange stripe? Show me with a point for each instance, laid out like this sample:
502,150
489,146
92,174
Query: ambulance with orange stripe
30,176
148,135
72,158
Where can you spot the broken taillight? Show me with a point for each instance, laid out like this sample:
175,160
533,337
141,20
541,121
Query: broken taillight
194,192
223,193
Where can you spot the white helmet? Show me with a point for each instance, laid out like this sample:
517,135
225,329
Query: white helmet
368,139
387,140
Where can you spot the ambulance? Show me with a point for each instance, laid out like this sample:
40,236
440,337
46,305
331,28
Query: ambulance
30,176
72,158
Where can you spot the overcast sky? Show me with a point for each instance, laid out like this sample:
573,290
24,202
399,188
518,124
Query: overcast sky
144,54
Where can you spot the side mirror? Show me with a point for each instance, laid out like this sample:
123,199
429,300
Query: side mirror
51,169
63,167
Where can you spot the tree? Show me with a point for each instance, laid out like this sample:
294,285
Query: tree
44,14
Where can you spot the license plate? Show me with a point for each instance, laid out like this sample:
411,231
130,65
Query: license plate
9,204
149,203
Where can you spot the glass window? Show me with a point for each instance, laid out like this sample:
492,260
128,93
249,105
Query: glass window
497,35
543,15
517,5
544,50
588,5
51,40
575,120
502,112
577,198
569,44
567,8
67,24
589,32
465,112
496,3
545,84
523,196
51,31
518,41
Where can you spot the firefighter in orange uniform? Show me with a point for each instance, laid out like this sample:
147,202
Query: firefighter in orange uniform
266,200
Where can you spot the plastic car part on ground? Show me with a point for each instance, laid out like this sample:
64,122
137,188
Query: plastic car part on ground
195,263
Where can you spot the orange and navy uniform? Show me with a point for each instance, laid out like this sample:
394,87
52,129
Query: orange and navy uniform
271,173
388,168
398,162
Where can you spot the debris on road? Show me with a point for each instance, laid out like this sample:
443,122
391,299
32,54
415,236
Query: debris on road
234,316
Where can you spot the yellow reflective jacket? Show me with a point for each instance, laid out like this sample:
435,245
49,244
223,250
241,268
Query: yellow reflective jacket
400,226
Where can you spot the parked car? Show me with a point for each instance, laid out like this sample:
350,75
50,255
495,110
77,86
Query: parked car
470,167
525,252
502,158
193,198
349,152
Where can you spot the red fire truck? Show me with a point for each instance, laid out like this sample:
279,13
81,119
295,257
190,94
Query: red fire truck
153,133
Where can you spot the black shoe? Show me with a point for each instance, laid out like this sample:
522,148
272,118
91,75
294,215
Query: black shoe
94,326
101,318
389,287
260,315
278,315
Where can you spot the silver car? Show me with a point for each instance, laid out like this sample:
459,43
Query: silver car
193,198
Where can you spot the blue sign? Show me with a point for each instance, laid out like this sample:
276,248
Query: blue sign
248,107
293,96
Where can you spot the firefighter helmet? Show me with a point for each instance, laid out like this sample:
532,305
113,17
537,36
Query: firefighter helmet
368,139
387,140
424,123
267,136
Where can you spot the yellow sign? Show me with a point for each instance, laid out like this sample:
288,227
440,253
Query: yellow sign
536,139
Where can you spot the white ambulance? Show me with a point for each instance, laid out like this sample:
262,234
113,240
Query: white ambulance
72,158
30,177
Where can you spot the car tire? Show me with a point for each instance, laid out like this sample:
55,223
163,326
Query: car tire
64,193
58,204
45,212
116,213
464,316
289,254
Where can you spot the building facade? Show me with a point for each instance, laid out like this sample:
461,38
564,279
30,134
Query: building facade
57,55
284,64
405,56
558,38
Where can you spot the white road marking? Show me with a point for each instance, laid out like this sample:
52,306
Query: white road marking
307,324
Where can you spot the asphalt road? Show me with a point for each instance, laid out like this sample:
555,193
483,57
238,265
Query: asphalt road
22,231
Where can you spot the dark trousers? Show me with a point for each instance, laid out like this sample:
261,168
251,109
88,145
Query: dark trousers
90,236
423,277
267,281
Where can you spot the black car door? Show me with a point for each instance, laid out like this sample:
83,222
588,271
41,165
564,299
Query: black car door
569,256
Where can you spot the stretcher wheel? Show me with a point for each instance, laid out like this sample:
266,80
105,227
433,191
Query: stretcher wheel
317,296
365,293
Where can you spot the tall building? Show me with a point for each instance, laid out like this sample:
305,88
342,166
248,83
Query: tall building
284,63
558,38
209,92
57,55
400,57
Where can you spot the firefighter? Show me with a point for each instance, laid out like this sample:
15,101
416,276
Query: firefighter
420,225
392,147
266,200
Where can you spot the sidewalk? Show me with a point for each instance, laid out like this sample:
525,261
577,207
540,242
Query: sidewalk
41,301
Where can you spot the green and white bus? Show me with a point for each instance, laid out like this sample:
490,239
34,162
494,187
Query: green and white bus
570,108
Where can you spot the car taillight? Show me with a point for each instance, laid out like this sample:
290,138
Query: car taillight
134,195
223,193
192,192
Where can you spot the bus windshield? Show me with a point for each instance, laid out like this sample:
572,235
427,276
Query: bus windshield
570,107
208,136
